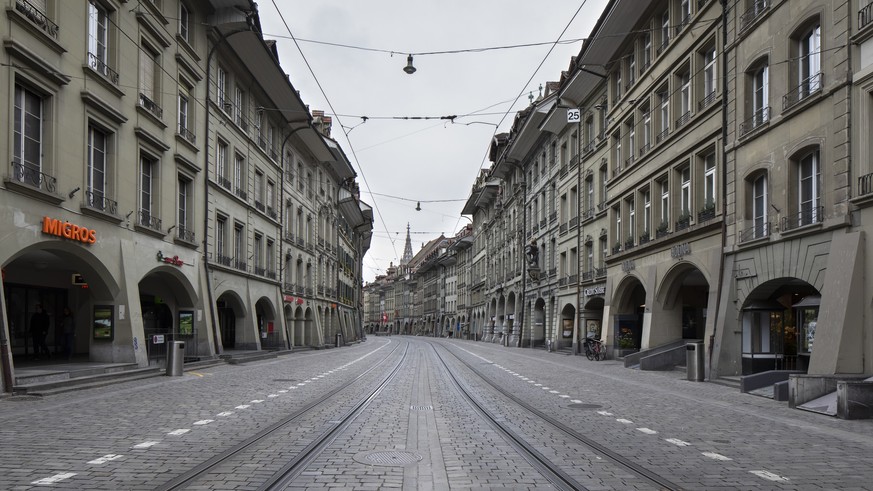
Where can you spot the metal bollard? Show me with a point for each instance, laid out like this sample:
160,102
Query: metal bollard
339,339
175,358
694,362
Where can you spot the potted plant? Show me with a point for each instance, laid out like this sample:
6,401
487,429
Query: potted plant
707,212
629,242
644,237
662,229
684,220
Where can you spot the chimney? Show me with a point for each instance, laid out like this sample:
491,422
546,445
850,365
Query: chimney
321,122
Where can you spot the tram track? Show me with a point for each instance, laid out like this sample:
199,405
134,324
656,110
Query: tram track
296,465
549,469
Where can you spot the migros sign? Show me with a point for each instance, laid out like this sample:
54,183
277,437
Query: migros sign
67,230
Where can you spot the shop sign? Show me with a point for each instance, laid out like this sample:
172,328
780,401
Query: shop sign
175,261
595,290
292,299
680,251
67,230
157,339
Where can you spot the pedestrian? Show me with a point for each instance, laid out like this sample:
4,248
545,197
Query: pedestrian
39,328
68,328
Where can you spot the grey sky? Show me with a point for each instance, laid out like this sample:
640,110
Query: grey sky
421,160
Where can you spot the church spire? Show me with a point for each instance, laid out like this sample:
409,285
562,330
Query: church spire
407,250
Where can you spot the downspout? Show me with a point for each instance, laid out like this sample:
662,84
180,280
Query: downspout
724,136
209,293
523,266
578,331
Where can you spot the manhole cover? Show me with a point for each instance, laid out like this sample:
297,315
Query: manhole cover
390,458
584,406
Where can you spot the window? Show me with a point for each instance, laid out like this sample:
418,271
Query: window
646,51
631,141
631,69
259,189
809,193
665,203
589,133
239,246
221,89
647,131
28,134
147,185
631,219
301,184
184,23
617,87
759,206
239,176
709,193
684,98
183,206
616,139
647,212
98,142
98,39
810,62
685,192
239,107
665,30
148,79
589,191
257,260
220,235
617,232
760,95
709,75
270,259
664,98
270,197
221,164
684,13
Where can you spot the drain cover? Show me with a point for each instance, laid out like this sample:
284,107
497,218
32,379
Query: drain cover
584,406
390,458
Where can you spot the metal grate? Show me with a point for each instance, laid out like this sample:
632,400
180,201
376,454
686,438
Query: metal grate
421,408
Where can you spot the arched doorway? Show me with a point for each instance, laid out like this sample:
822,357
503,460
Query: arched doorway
166,301
310,329
680,310
629,305
538,328
592,316
299,327
54,275
568,324
231,313
268,330
779,320
510,328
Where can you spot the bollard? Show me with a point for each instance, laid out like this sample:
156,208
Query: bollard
694,362
339,339
175,358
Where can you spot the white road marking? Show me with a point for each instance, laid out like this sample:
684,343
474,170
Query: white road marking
225,413
648,431
145,444
539,385
292,387
203,422
576,401
301,384
553,392
769,476
604,413
104,459
677,442
53,479
272,395
565,396
179,432
256,401
625,421
531,381
243,406
716,456
283,391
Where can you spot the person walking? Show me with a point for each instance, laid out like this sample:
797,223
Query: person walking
39,328
68,328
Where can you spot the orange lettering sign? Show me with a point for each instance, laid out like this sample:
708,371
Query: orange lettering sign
67,230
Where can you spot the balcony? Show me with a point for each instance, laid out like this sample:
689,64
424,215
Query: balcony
543,223
100,66
600,272
588,214
272,213
240,265
706,214
150,106
663,46
865,183
562,282
562,229
865,17
629,161
185,234
808,216
224,260
645,149
753,13
588,148
553,272
241,194
588,275
36,16
553,217
683,222
224,182
574,222
759,231
34,178
563,171
683,119
187,134
707,101
760,118
806,88
98,201
289,287
261,207
260,271
662,135
574,161
147,220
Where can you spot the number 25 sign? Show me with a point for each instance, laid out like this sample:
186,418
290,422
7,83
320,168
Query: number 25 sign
574,115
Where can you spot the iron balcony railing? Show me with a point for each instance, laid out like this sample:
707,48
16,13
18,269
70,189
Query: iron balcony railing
553,216
706,101
645,149
806,88
224,182
272,213
102,68
241,193
184,233
271,273
260,271
574,222
588,275
758,231
644,238
34,177
100,202
753,13
759,118
865,16
683,223
600,272
706,215
629,161
543,223
562,229
574,160
37,16
151,106
146,219
187,134
224,260
807,216
588,148
865,183
261,207
240,264
683,119
662,135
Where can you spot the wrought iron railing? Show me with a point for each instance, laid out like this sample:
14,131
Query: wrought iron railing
146,219
241,193
240,264
563,171
187,134
588,148
758,231
102,68
562,229
662,135
806,88
645,149
752,13
865,183
223,182
574,160
151,106
37,16
100,202
807,216
683,222
600,272
760,117
224,260
574,222
553,216
260,271
865,16
644,238
706,215
272,213
184,233
543,223
683,119
628,162
588,275
34,177
706,101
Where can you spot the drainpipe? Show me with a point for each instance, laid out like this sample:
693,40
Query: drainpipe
5,355
523,267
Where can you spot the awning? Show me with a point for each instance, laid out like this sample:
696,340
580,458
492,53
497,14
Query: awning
763,306
809,301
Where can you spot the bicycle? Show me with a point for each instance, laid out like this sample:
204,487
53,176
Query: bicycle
594,349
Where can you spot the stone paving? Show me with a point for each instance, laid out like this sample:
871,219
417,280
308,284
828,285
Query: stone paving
138,435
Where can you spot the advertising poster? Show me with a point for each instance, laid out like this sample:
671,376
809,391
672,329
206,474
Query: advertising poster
186,322
104,324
